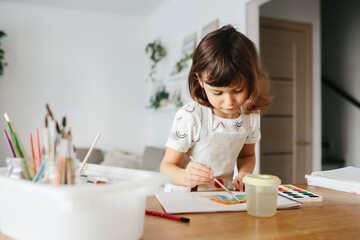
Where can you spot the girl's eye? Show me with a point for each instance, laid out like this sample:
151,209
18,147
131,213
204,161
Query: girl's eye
239,91
217,93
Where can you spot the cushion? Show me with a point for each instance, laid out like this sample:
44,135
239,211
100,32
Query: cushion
120,158
152,158
96,157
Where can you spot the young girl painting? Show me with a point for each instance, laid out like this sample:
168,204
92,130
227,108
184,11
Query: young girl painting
221,126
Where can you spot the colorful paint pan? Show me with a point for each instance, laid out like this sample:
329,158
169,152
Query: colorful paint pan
298,194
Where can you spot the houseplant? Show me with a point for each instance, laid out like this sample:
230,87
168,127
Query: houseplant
157,52
160,98
182,63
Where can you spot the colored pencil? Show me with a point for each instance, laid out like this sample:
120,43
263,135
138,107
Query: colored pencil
169,216
89,152
33,154
40,172
10,135
21,147
218,182
12,152
25,169
17,144
38,145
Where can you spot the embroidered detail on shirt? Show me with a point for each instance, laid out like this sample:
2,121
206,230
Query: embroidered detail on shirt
219,124
181,136
189,108
177,136
238,124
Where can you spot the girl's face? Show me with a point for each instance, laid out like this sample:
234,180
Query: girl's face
226,101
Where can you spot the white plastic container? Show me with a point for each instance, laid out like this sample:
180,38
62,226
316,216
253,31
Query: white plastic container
261,194
90,211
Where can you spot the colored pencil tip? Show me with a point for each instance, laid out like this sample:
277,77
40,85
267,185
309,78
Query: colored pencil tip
183,219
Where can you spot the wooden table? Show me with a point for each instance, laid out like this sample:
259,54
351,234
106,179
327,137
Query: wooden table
336,217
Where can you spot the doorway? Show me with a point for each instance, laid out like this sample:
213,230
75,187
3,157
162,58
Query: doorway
285,149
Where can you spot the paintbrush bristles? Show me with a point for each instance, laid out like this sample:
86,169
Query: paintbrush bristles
64,122
49,111
57,127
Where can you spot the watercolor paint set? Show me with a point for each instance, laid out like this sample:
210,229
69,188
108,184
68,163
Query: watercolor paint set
298,194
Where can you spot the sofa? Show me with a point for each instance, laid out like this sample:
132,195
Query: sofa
150,159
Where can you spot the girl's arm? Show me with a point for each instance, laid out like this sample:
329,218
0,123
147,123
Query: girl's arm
245,164
194,174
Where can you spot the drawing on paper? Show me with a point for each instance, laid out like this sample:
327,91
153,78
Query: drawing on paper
226,200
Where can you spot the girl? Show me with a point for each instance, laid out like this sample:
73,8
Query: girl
222,125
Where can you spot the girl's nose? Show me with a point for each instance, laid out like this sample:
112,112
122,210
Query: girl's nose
229,100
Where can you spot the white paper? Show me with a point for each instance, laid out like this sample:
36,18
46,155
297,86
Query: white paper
345,179
192,202
350,174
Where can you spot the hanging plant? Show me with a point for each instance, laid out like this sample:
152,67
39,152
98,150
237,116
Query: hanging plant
160,98
157,52
3,64
182,63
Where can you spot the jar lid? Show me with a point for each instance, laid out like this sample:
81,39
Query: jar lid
261,180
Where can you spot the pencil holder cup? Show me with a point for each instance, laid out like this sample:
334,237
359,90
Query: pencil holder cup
18,168
261,194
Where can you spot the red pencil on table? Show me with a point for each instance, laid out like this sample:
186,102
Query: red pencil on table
165,215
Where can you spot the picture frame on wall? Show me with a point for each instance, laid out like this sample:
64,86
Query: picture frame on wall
189,45
187,51
212,26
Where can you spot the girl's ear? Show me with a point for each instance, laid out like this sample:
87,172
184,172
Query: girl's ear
200,81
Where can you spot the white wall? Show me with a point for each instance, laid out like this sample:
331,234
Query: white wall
171,23
89,66
306,11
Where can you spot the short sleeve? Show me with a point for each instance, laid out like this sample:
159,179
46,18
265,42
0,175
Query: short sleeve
185,129
254,133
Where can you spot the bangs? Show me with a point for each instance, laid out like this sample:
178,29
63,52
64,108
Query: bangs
225,65
224,74
227,58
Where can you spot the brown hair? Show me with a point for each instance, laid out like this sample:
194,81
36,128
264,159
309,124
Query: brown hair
228,58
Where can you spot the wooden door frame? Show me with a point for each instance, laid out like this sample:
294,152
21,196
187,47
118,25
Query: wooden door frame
252,30
307,30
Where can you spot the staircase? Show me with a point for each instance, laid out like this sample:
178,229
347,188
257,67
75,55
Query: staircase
329,160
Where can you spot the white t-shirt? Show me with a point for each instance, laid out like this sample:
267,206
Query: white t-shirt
187,125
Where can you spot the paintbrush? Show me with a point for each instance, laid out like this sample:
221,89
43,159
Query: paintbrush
218,182
89,152
63,129
49,111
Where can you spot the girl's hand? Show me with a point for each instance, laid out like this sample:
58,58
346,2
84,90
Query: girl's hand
238,183
198,174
